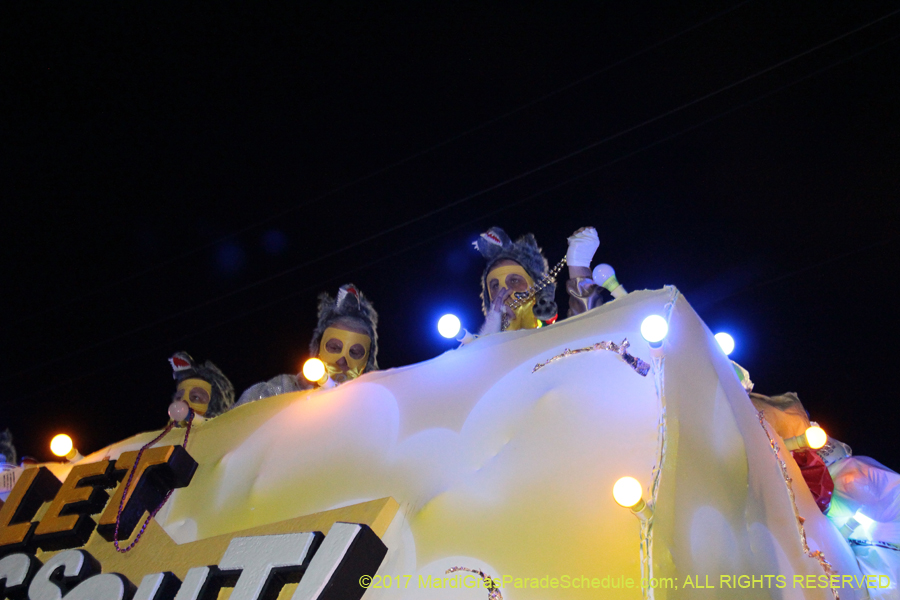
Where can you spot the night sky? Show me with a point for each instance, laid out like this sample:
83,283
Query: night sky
190,178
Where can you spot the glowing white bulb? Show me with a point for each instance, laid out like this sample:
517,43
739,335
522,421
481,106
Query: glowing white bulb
627,492
602,273
314,369
654,329
816,437
863,519
448,326
726,342
605,276
61,445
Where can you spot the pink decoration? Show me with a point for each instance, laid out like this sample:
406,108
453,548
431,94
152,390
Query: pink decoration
178,410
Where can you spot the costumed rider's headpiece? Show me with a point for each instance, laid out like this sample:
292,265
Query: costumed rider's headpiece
222,396
7,450
352,305
494,245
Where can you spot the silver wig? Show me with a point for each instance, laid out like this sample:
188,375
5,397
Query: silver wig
7,450
494,245
350,304
184,367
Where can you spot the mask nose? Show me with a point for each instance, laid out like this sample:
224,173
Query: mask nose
342,363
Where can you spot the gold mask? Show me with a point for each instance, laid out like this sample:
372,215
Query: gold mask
348,339
524,315
524,318
183,392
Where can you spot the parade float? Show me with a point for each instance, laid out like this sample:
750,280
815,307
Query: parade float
486,472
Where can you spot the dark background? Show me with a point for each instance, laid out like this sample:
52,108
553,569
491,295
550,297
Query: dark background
191,177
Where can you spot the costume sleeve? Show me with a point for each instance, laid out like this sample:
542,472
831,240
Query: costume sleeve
584,295
280,384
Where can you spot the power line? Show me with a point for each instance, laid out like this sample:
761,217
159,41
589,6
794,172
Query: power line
182,255
133,356
806,268
504,183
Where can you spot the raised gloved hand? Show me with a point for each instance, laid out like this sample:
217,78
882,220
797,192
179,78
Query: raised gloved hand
582,245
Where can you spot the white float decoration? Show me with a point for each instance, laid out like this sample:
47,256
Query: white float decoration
477,461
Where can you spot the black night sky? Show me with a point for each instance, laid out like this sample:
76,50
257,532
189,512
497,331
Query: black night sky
190,177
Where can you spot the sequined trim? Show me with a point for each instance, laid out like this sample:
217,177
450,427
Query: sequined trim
641,367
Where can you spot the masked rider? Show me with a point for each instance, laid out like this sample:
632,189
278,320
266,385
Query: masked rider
346,336
205,389
515,267
345,339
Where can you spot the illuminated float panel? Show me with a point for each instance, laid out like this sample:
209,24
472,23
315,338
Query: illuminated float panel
477,459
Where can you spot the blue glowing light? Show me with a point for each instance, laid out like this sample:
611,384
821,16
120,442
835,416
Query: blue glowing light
654,329
726,342
448,326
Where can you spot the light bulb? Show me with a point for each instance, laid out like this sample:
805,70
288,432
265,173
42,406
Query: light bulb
627,492
61,445
314,369
605,276
726,342
863,519
448,326
654,329
816,437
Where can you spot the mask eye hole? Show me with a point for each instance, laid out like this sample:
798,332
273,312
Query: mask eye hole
516,282
199,396
334,345
357,351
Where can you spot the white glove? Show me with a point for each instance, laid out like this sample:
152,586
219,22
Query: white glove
492,323
582,246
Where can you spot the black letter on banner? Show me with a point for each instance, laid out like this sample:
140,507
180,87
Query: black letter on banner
200,583
67,522
108,586
16,571
61,573
349,551
267,562
158,586
160,470
35,486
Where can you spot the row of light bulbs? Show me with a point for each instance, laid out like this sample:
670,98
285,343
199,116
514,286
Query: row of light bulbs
627,491
654,328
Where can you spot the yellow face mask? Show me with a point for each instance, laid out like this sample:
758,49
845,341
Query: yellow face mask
196,392
356,364
524,316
